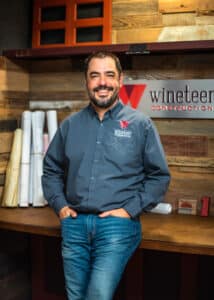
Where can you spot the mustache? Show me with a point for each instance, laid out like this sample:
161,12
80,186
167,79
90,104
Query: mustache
103,87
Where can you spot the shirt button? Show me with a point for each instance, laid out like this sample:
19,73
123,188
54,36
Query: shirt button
98,142
92,178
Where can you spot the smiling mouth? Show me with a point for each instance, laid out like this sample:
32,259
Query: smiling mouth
103,88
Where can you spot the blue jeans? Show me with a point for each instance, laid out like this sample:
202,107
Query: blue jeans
95,252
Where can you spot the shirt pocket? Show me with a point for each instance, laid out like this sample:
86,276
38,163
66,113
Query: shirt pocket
123,149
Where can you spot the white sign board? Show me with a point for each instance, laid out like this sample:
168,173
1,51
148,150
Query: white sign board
171,98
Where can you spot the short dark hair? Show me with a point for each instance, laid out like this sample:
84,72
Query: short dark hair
103,54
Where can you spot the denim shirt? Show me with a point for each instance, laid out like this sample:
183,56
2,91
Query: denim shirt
94,166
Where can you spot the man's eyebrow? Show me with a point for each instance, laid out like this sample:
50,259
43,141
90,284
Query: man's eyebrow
110,72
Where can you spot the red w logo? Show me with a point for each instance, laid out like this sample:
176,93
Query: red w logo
132,93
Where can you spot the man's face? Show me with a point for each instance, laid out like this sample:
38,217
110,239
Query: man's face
103,82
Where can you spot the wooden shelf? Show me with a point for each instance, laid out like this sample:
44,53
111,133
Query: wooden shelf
174,233
123,49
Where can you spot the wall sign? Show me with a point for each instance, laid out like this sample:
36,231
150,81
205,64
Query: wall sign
171,98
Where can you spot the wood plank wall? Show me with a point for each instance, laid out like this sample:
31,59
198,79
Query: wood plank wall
162,20
189,144
14,95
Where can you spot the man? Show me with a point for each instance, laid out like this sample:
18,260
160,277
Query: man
104,167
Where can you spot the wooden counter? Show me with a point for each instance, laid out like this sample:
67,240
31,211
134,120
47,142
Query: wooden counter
174,233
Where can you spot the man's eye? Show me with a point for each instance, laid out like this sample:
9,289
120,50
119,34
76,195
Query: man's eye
94,75
111,75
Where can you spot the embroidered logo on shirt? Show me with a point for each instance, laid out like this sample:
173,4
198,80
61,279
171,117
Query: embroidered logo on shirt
124,124
122,133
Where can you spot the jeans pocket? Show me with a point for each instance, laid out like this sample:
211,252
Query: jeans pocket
125,219
120,229
120,217
64,219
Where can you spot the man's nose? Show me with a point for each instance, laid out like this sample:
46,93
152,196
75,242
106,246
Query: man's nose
102,80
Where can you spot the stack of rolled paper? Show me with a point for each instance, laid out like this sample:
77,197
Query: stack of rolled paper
38,120
52,123
24,171
39,148
24,184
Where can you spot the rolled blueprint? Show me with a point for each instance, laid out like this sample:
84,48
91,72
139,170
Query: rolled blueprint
162,208
10,195
45,142
52,123
31,174
38,119
25,160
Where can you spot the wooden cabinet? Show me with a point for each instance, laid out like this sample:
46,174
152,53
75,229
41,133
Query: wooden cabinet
58,23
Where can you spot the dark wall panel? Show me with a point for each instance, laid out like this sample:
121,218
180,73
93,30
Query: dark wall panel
15,24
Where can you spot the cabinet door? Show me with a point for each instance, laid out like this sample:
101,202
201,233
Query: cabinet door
71,23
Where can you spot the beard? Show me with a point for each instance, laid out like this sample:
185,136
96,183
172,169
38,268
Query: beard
103,103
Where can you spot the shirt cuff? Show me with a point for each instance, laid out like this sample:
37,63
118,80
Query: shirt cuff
133,207
58,204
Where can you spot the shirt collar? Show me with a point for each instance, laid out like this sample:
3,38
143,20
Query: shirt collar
116,109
